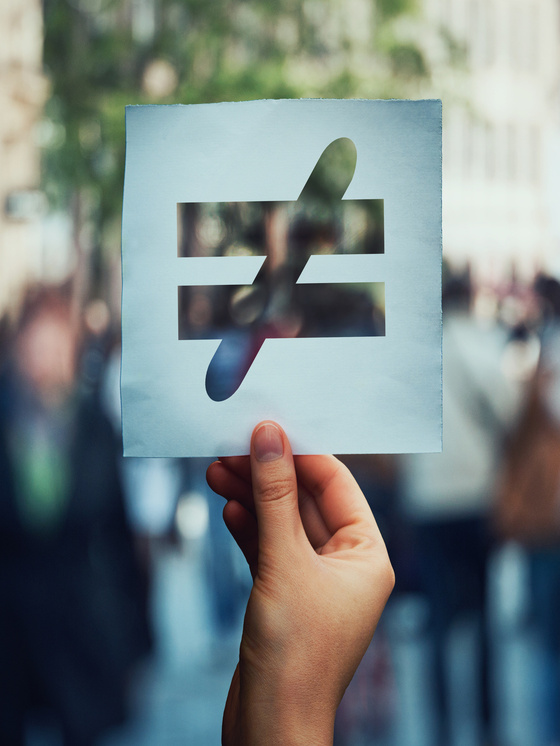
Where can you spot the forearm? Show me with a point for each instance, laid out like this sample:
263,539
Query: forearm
288,692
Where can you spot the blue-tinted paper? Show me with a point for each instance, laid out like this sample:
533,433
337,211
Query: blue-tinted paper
363,391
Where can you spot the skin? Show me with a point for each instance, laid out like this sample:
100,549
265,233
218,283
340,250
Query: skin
321,578
46,357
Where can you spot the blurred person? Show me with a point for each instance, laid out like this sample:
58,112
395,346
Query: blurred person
229,317
321,578
528,508
447,498
72,615
151,485
227,588
367,711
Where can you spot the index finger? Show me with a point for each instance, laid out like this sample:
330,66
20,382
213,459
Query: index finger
240,465
339,499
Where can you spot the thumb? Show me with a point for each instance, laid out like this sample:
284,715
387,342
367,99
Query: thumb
275,491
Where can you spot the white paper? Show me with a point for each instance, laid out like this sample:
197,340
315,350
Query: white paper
365,394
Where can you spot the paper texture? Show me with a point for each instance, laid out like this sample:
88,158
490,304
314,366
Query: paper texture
350,387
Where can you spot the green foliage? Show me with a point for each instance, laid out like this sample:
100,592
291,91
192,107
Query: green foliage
97,62
392,8
407,61
456,50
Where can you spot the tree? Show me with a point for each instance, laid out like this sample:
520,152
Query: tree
101,55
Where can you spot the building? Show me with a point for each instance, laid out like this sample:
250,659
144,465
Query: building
501,118
23,90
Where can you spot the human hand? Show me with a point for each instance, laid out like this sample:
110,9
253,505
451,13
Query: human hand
321,578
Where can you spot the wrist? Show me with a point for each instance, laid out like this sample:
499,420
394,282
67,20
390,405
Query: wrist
284,713
271,724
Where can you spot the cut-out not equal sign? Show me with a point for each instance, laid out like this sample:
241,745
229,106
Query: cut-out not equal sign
313,295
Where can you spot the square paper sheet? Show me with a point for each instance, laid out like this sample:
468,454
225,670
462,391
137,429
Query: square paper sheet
332,394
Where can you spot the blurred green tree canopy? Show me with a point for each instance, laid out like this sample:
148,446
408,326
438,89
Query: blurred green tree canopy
101,55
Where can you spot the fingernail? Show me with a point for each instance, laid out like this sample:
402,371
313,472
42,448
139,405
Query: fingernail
267,443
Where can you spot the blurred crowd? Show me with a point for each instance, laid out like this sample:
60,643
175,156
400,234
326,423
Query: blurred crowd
80,525
447,517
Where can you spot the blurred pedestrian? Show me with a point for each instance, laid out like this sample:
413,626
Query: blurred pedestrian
72,611
528,508
447,497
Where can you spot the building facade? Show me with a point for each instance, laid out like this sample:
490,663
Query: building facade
501,119
23,90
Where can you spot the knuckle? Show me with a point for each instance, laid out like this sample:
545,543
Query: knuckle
387,575
390,577
383,570
276,487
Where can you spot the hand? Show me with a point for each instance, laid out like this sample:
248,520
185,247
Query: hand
321,578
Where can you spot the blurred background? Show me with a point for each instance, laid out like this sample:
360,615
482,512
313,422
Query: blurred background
121,594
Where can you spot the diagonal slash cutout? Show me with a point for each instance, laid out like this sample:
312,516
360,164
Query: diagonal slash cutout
283,301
